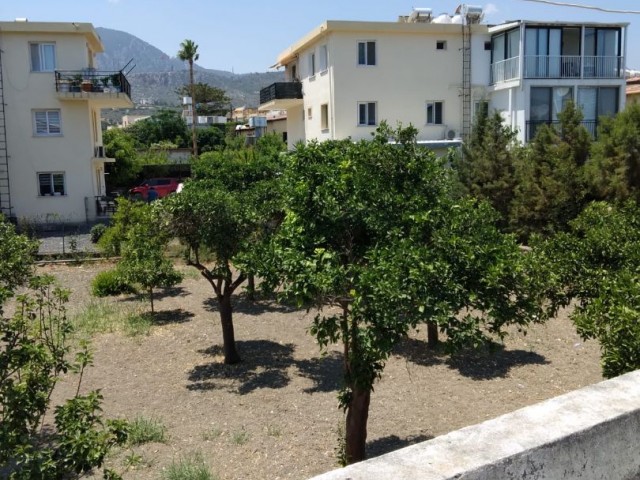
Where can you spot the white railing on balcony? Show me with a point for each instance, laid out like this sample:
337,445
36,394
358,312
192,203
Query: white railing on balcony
552,66
603,67
505,70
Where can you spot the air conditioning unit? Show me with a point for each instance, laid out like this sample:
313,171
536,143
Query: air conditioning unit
100,151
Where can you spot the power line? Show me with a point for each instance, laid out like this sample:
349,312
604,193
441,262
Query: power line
587,7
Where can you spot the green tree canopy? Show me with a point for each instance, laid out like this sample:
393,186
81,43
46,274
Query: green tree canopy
372,229
166,125
207,99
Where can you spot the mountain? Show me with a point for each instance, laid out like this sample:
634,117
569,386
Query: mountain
156,76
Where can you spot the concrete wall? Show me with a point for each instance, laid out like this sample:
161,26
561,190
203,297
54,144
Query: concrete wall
591,434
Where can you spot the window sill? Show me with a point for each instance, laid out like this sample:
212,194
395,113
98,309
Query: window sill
312,78
52,196
365,66
367,125
47,135
324,131
324,72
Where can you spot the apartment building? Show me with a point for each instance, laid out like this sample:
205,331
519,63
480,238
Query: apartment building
52,162
433,72
537,67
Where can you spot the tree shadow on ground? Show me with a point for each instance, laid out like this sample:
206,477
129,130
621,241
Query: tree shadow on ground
490,361
325,371
167,317
387,444
241,304
264,365
158,294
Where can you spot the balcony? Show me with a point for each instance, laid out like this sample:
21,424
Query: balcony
533,125
111,89
505,70
281,96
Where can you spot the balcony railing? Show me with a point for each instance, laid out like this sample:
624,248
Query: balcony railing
558,66
505,70
94,81
281,91
533,125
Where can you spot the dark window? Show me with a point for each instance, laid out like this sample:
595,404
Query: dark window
366,53
367,113
434,113
441,45
487,45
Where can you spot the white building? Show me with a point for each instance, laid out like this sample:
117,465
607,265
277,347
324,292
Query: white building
344,77
51,155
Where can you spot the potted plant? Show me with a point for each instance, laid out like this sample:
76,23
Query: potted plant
76,82
115,81
86,85
105,84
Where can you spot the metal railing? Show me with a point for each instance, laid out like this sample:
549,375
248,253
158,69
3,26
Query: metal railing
552,66
90,80
280,91
603,67
533,125
505,70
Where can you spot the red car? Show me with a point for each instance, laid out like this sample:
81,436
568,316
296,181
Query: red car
163,186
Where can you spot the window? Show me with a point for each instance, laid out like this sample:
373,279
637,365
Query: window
51,183
367,113
324,58
46,122
596,102
366,53
43,57
324,117
487,46
545,105
309,113
441,45
434,113
312,64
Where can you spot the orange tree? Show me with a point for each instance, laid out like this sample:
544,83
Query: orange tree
373,228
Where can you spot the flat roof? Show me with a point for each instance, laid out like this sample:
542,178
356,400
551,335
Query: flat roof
79,28
330,26
516,23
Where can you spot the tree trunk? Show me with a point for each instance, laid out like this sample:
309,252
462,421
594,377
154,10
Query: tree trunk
356,427
432,334
228,337
251,287
151,298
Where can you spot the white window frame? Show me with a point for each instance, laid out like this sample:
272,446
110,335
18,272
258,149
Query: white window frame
433,104
324,58
52,126
324,117
368,62
309,113
367,114
39,64
59,188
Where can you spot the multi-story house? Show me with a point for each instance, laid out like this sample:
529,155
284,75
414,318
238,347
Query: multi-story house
52,162
343,78
537,67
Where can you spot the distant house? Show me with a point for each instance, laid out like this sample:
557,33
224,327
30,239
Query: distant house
434,72
128,120
633,90
52,159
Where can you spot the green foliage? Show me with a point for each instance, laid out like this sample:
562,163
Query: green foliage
35,354
486,168
143,261
211,138
101,316
146,430
613,171
189,468
550,190
121,145
373,228
109,283
208,100
127,215
598,264
97,231
16,259
166,125
240,437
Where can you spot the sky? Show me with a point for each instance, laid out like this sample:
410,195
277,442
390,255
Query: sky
247,35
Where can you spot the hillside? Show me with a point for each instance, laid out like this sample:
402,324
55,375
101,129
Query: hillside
156,76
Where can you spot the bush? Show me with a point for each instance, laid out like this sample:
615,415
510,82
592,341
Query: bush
110,282
97,231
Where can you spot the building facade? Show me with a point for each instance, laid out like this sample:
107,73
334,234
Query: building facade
344,78
51,157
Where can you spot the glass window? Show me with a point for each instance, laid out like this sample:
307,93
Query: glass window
367,53
434,113
324,58
47,122
324,117
312,64
43,57
51,183
367,113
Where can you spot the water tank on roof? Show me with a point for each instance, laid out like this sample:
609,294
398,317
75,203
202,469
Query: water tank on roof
442,18
419,14
457,19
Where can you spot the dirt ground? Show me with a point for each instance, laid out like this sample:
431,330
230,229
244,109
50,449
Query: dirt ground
275,415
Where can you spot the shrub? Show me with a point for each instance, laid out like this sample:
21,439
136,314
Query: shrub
145,430
110,282
97,231
190,468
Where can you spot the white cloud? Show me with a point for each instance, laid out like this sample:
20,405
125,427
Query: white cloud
490,9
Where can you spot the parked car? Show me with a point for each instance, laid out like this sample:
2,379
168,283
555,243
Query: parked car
163,186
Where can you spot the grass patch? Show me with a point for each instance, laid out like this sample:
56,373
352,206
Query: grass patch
211,434
190,273
190,468
147,430
240,437
274,431
104,316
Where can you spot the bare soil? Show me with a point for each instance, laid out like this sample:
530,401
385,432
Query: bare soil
275,415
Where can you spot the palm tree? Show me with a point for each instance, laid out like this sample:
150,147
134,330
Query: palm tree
189,52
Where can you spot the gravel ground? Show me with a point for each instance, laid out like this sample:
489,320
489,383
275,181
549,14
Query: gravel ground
275,415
